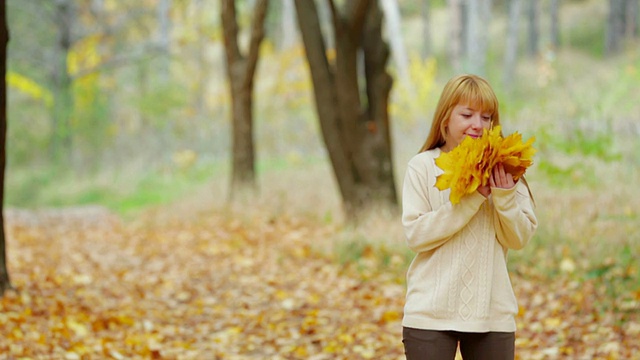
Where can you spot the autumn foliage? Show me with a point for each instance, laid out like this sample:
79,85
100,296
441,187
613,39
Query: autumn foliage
469,164
221,285
212,287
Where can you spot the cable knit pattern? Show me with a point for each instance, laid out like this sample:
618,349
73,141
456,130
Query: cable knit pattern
458,279
469,243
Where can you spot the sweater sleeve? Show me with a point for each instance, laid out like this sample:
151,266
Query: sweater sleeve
515,221
427,228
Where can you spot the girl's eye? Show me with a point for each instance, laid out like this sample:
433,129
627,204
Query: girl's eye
486,118
466,115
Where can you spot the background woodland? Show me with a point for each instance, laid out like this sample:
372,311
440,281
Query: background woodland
192,179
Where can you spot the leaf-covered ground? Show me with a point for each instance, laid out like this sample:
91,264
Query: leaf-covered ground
215,286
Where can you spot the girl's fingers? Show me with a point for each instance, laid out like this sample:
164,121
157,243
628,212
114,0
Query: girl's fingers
502,174
497,179
500,178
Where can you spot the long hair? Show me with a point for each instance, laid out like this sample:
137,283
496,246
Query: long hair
465,89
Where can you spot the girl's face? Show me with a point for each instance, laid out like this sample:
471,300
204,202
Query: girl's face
466,120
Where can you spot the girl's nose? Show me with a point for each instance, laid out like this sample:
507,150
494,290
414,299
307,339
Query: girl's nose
476,122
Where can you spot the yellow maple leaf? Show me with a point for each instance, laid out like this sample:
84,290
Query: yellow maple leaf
469,165
515,155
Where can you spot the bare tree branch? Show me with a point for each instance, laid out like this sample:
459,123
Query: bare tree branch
230,30
313,40
257,34
338,22
357,17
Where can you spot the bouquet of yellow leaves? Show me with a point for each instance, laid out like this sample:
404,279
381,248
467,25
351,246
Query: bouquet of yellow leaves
469,165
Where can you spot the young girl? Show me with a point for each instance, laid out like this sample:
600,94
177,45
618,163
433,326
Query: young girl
458,287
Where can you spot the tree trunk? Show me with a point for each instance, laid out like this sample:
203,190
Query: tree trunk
326,23
203,68
240,73
97,7
354,124
62,142
164,39
615,26
555,23
376,147
456,29
631,28
288,25
534,28
396,40
4,40
477,36
511,47
426,28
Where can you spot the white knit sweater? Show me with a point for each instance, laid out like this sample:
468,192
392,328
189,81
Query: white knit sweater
459,279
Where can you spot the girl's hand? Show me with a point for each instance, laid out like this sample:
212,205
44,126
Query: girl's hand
500,178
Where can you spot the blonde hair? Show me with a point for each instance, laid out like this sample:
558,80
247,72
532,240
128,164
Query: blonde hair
465,89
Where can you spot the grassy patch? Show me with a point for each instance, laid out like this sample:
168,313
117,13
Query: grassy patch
122,193
127,191
587,36
369,257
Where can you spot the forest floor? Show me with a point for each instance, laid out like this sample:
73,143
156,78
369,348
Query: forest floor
211,285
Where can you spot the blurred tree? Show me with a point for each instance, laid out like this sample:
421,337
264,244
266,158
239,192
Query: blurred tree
203,68
511,47
426,29
288,25
457,28
533,14
68,61
164,38
4,40
162,75
326,23
351,89
77,50
396,40
631,30
78,56
554,9
622,23
240,73
64,14
477,36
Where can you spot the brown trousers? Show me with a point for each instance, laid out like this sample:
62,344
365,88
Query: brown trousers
442,345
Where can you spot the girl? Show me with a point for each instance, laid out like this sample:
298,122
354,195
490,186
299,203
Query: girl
458,287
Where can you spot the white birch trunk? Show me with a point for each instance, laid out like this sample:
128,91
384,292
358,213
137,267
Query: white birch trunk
511,47
426,28
164,36
396,40
555,23
631,21
455,49
288,25
478,20
534,28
